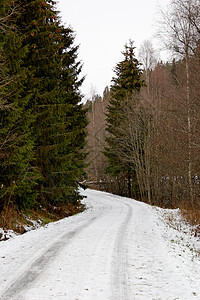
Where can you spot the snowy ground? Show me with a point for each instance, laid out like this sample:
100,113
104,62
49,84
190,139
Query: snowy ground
117,249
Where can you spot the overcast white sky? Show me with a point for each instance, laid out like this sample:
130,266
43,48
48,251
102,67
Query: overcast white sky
102,28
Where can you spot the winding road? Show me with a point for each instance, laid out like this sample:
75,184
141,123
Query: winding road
114,250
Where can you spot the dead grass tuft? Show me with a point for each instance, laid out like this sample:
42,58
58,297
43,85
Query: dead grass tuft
12,219
9,217
192,215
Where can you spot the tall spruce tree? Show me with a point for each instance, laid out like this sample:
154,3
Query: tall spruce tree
72,157
54,81
127,81
17,177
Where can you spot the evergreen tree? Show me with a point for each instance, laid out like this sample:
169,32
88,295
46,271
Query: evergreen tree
74,118
127,81
54,81
17,177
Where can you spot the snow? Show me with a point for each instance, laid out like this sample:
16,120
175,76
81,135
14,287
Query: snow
6,234
117,249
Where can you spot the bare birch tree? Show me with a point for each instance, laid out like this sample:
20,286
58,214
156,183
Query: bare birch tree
181,33
147,57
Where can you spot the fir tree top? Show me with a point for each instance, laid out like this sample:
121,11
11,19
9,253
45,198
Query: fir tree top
128,74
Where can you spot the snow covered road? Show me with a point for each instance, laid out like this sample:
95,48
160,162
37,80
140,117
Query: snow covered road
117,249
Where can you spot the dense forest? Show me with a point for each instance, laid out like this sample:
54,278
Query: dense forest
144,133
141,139
42,123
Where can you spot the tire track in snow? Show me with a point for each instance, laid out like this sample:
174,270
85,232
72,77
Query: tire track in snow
116,250
40,263
120,280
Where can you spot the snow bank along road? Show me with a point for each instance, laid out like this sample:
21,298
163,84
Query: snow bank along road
117,249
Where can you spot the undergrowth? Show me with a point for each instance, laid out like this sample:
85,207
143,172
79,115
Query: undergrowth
192,215
22,221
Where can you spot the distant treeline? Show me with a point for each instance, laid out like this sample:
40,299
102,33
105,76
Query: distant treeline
144,133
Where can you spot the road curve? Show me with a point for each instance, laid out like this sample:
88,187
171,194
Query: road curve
114,250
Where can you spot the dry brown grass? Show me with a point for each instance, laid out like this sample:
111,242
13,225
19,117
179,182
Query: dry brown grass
12,219
192,215
9,217
66,210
